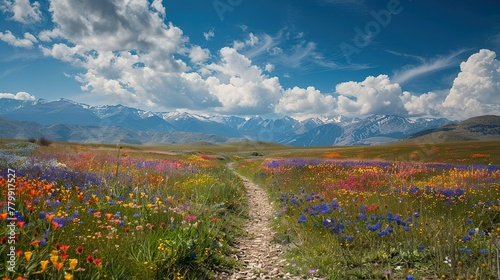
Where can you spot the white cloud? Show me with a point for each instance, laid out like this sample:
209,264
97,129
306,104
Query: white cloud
426,67
158,6
198,54
240,86
250,42
374,95
305,102
427,104
22,10
269,67
18,96
476,90
209,35
10,39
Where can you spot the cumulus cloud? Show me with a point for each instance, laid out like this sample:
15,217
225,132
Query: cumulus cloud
476,90
305,102
240,86
198,54
22,10
26,42
374,95
427,104
18,96
127,52
158,6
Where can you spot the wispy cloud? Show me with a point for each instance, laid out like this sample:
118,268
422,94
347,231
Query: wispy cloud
426,66
344,2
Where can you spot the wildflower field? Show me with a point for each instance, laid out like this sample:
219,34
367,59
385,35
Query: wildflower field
344,219
108,215
91,212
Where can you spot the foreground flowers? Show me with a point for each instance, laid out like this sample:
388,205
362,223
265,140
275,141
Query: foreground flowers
83,218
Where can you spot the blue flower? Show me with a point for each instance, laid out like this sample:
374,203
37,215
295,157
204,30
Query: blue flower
483,251
375,227
382,233
302,219
409,277
466,238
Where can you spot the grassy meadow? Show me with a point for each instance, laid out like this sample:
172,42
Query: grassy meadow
399,211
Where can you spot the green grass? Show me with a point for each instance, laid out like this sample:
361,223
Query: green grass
141,217
156,247
339,244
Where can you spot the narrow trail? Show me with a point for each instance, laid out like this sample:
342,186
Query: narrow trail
256,250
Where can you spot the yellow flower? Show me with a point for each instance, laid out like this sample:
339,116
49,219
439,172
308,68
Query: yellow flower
28,255
44,264
54,259
68,276
73,263
54,253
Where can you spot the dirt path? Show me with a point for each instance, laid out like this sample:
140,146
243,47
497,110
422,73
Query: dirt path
257,251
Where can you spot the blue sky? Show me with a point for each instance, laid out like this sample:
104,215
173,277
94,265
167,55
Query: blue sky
285,57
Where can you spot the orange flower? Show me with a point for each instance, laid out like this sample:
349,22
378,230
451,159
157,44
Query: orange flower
49,217
20,224
58,266
35,243
109,215
18,253
3,216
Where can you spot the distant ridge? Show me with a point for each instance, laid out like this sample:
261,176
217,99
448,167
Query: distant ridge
66,120
481,128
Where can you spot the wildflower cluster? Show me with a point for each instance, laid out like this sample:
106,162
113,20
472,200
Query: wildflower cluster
371,218
78,218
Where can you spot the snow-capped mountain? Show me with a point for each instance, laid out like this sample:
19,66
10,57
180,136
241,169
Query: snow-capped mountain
122,122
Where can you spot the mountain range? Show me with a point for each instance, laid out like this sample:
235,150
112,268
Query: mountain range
66,120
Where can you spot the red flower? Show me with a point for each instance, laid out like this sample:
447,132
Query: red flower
58,246
64,248
97,261
127,229
79,249
55,225
90,259
162,224
4,240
